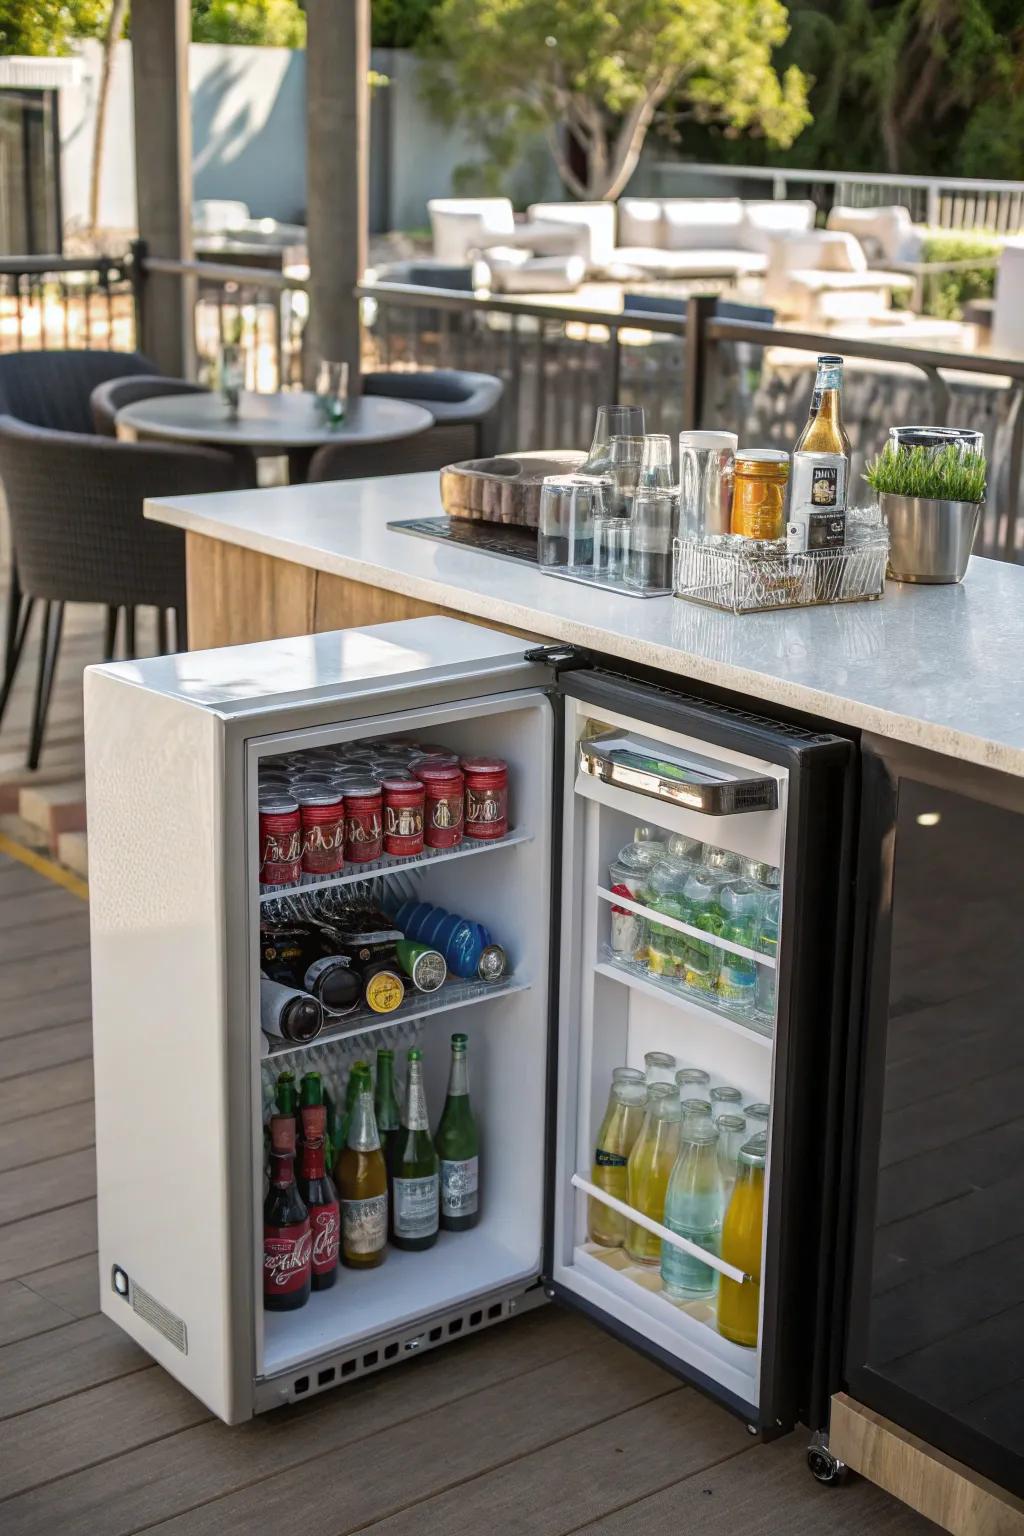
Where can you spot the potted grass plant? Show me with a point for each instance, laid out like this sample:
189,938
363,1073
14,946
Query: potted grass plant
931,499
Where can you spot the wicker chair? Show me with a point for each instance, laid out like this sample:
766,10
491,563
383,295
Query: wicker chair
108,398
466,408
75,505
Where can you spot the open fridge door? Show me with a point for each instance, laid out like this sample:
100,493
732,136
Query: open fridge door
704,872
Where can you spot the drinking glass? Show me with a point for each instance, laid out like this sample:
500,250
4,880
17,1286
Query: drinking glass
705,483
612,421
611,545
332,391
651,530
569,505
624,458
231,376
656,462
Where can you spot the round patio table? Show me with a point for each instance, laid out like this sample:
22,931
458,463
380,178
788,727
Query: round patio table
282,424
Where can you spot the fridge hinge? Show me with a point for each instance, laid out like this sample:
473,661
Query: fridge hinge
560,658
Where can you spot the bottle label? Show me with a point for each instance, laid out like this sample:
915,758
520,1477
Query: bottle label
459,1186
364,1224
325,1227
416,1213
609,1159
287,1257
819,481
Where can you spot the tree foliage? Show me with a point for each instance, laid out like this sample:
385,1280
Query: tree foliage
259,23
594,76
49,26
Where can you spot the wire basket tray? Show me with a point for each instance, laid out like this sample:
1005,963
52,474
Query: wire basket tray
742,576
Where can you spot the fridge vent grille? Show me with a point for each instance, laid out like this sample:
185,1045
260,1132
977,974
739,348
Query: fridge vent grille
729,711
160,1317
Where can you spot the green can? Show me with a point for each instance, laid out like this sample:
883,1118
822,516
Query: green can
425,967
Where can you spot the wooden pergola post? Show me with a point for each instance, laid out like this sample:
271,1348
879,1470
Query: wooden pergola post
337,164
161,31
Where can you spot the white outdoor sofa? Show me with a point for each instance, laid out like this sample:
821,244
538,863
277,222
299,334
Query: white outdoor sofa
823,276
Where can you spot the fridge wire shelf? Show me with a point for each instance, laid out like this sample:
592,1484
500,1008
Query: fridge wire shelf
753,576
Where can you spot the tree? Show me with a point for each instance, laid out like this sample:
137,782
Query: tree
259,23
111,38
592,75
48,26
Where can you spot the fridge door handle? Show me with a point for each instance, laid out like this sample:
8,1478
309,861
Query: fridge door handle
693,1249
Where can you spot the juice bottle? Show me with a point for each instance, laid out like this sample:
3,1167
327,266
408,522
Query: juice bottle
649,1169
619,1130
693,1209
738,1304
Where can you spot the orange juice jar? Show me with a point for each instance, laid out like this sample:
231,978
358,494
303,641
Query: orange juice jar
739,1303
760,476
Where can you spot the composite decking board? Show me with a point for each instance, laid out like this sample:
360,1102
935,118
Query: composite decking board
407,1464
63,1361
20,980
70,932
46,1186
73,1285
766,1491
47,1238
548,1492
38,1093
27,908
72,1128
24,1313
183,1471
67,1004
44,1049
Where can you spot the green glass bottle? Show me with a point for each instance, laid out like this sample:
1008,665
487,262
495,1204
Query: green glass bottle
458,1147
416,1181
287,1101
312,1096
357,1070
385,1107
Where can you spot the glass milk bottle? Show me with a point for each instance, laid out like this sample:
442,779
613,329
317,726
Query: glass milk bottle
650,1164
619,1131
693,1209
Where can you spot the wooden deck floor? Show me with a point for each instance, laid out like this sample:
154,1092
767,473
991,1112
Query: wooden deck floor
542,1426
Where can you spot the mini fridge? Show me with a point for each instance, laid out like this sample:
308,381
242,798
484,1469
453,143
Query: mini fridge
597,759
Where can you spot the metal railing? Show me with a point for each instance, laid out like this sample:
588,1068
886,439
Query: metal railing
57,301
946,202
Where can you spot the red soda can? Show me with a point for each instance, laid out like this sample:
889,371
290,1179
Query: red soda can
280,838
322,809
362,822
403,815
443,804
486,796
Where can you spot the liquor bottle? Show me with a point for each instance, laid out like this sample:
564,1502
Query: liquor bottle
619,1130
363,1186
385,1107
693,1209
821,467
289,1014
416,1176
287,1245
649,1167
294,955
320,1198
458,1147
311,1096
739,1302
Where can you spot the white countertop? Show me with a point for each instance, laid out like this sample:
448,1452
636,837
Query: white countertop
940,667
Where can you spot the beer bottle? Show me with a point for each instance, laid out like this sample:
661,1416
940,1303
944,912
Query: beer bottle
287,1248
320,1198
385,1107
415,1184
286,1102
821,467
458,1147
311,1096
351,1094
363,1185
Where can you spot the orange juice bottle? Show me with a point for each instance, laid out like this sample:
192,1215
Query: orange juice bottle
739,1303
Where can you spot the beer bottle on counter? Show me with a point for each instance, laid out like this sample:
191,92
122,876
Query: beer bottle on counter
363,1185
320,1198
287,1244
458,1147
415,1184
288,1014
385,1107
821,467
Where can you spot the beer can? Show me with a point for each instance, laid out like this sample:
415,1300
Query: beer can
280,838
403,800
362,821
385,989
486,801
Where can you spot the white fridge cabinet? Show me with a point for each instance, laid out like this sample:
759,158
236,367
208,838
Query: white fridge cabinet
183,1073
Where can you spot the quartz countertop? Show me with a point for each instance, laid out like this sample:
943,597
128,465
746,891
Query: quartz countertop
938,667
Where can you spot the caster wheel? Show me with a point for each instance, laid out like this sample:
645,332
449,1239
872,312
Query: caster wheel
825,1468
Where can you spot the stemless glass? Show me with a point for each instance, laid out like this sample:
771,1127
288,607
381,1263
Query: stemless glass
332,391
656,463
231,376
651,530
569,505
612,421
625,454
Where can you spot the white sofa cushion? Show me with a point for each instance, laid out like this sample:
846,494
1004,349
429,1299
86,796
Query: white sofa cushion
765,220
701,223
594,222
631,261
886,234
516,271
464,225
640,222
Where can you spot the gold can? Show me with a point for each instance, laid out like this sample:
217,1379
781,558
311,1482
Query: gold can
759,493
385,990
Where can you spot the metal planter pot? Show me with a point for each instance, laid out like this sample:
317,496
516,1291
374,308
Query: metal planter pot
929,541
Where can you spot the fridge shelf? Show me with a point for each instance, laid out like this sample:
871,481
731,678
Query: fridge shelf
754,1027
663,920
391,865
455,993
578,1181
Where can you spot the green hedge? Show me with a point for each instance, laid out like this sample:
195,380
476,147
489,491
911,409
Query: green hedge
946,293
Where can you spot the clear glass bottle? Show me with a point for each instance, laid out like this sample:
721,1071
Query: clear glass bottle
821,467
661,1067
628,1075
693,1082
362,1181
737,976
458,1146
693,1209
695,1109
706,461
767,943
649,1168
757,1117
739,1303
415,1171
723,1098
619,1130
732,1133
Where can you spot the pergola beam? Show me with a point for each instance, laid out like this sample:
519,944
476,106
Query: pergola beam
337,164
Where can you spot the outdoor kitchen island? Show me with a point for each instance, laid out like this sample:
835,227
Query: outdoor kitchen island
930,1194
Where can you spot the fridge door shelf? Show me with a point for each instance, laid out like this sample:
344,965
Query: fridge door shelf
456,993
752,1026
665,920
390,864
650,1225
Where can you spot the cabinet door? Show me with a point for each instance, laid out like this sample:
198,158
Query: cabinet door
935,1336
